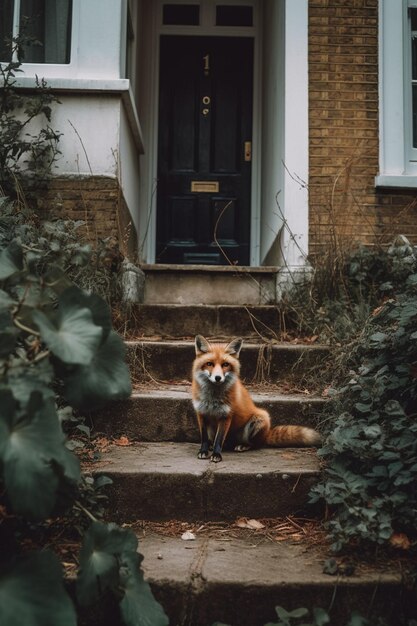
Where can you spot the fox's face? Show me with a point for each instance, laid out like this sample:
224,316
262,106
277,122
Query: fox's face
216,369
216,363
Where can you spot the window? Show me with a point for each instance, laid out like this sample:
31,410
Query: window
398,94
181,14
46,22
227,15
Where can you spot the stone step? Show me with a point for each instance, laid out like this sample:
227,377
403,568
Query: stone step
166,414
209,284
239,582
172,360
166,480
170,321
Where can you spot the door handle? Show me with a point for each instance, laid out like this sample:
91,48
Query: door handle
248,151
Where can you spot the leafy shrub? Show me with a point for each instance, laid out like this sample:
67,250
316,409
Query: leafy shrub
57,346
369,480
22,146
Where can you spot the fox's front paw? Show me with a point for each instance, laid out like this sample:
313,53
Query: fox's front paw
216,457
203,454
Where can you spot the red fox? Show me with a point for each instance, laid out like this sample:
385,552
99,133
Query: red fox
225,408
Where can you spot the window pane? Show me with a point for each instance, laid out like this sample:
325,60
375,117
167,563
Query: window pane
414,116
49,23
181,14
227,15
6,25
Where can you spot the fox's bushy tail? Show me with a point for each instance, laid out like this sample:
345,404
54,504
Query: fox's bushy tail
295,436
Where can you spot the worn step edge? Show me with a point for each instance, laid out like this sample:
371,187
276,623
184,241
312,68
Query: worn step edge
240,582
172,360
167,481
224,320
168,415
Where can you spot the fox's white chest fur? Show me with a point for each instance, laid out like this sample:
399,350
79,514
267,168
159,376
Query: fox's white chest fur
212,397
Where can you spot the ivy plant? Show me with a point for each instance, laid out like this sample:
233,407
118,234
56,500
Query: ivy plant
370,452
22,144
57,348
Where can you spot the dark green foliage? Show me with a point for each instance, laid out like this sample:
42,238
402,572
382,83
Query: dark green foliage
109,560
370,476
56,344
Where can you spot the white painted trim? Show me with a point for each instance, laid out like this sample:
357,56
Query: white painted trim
405,181
149,203
115,85
294,242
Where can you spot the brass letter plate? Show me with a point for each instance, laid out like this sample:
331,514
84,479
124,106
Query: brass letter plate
204,186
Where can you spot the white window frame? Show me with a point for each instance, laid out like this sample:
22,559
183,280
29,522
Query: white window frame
97,57
397,157
51,70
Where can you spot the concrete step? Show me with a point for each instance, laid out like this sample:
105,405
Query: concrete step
166,413
172,360
170,321
209,284
239,582
166,481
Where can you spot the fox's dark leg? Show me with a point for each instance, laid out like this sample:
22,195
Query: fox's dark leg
205,444
222,430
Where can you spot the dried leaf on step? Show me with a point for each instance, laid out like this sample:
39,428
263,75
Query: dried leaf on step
188,536
122,441
243,522
400,541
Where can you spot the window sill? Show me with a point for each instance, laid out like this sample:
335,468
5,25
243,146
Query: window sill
404,181
117,85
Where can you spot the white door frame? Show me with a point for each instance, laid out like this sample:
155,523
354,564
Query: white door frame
290,125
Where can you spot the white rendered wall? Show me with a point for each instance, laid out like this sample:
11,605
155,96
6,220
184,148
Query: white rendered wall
284,228
91,127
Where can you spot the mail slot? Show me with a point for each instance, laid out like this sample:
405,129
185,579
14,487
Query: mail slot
204,186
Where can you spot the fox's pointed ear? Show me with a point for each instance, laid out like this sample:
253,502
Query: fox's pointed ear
201,345
234,347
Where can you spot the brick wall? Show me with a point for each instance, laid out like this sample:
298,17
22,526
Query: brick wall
97,200
343,92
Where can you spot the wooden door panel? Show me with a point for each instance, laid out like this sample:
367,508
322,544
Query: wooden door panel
205,118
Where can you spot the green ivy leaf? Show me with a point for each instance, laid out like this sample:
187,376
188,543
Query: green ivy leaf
98,307
99,565
321,617
33,455
6,302
11,260
106,378
24,378
74,337
357,620
32,593
138,606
